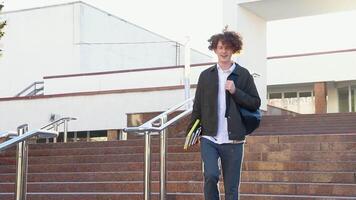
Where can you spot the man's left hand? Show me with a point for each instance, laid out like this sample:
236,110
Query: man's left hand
230,86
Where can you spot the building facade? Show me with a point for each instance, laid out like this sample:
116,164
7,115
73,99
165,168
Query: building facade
309,82
78,38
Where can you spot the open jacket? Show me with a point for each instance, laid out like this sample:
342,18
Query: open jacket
205,105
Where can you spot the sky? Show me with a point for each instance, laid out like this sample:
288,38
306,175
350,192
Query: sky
199,19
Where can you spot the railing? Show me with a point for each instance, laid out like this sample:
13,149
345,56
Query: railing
22,155
7,134
55,125
32,90
20,138
158,124
39,133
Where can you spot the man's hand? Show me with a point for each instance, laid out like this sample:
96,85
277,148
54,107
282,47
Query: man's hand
230,86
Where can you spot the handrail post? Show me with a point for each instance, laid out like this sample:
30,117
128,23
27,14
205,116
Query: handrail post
147,181
21,166
65,130
163,149
55,128
152,126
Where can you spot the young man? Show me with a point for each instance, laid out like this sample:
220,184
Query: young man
222,89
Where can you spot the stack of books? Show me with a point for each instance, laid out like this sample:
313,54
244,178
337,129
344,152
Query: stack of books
193,135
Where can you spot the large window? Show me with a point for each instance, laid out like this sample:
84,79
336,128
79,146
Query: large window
300,102
80,136
347,98
343,94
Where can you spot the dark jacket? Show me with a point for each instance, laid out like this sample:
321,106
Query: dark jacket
206,101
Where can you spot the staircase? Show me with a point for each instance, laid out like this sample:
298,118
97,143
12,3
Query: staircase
302,157
276,167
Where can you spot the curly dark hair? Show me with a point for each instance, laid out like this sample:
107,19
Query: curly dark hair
229,38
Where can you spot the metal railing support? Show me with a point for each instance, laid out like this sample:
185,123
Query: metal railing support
55,128
147,192
21,166
148,129
163,150
65,130
122,135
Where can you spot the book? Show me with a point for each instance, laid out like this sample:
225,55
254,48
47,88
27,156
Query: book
193,135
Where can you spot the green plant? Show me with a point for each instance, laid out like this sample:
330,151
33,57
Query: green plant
2,25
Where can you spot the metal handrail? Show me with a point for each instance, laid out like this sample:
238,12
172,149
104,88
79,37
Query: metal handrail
8,134
147,128
58,120
55,124
22,155
39,132
169,111
33,92
144,128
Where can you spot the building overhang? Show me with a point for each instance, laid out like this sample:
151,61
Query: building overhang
284,9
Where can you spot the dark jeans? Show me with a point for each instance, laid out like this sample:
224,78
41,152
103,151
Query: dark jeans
231,160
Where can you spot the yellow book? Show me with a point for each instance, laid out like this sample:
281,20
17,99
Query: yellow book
192,135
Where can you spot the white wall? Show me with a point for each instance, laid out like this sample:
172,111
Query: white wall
326,67
117,81
97,112
37,42
59,39
108,42
253,31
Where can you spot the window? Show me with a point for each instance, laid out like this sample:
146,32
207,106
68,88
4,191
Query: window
343,94
100,135
275,95
298,101
305,94
290,95
353,98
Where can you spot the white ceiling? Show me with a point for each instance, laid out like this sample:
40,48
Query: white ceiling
283,9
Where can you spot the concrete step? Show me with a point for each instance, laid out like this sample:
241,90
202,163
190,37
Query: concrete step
103,176
293,197
104,144
281,188
321,146
311,166
315,166
303,138
299,177
308,156
247,176
103,167
191,156
96,150
331,123
249,147
275,188
139,157
104,196
170,196
276,139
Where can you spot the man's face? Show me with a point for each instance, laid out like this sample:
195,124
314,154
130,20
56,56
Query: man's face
223,52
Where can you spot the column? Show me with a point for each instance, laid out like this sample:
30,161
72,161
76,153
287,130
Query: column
320,97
